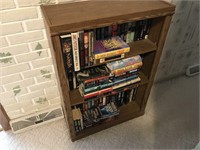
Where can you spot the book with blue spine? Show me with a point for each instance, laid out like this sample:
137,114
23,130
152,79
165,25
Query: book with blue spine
124,62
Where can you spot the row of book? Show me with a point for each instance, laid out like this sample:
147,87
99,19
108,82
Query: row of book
96,110
129,32
86,48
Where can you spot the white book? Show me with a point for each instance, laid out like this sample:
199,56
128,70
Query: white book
75,47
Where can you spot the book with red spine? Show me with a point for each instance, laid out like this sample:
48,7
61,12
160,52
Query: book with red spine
81,49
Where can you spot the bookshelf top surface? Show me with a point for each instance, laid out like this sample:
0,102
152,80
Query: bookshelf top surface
88,14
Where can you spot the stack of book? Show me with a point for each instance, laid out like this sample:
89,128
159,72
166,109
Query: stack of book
125,71
94,81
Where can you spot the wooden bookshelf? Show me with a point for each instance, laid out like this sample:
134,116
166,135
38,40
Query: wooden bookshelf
77,16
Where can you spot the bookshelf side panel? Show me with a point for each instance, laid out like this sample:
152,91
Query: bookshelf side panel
161,42
63,84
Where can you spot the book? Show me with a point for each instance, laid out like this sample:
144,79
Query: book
124,62
81,49
110,47
86,47
120,71
89,74
91,48
77,118
70,80
96,93
75,47
125,79
114,30
126,83
66,43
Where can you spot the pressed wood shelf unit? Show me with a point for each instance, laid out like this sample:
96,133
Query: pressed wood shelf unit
72,17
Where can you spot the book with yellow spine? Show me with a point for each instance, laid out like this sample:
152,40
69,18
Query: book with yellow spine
120,71
110,47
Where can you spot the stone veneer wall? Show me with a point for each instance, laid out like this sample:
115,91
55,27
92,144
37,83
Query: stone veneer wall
182,44
27,76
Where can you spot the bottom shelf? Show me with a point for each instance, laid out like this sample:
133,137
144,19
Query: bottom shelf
127,112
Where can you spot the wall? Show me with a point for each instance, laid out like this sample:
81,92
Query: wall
27,77
182,44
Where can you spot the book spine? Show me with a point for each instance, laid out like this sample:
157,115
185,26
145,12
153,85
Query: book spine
92,89
126,83
96,79
75,47
120,71
81,48
91,48
109,31
86,46
70,80
112,53
114,30
106,33
131,95
125,62
102,33
126,79
93,94
66,43
74,81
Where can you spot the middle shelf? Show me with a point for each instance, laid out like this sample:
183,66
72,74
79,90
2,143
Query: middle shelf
76,98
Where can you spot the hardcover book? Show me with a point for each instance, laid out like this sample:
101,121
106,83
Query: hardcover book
81,49
105,48
86,47
75,47
125,69
124,62
67,52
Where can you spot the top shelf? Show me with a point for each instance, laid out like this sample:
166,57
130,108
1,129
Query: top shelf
71,17
136,48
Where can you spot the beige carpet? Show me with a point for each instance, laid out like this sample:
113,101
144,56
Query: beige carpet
171,122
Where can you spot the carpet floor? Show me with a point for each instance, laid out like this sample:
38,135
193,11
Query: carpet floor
171,121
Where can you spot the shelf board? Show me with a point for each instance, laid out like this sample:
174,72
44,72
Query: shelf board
72,17
141,47
136,48
127,112
76,97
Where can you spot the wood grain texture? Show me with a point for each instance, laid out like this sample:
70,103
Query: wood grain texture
78,16
161,43
63,83
70,17
127,112
4,119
